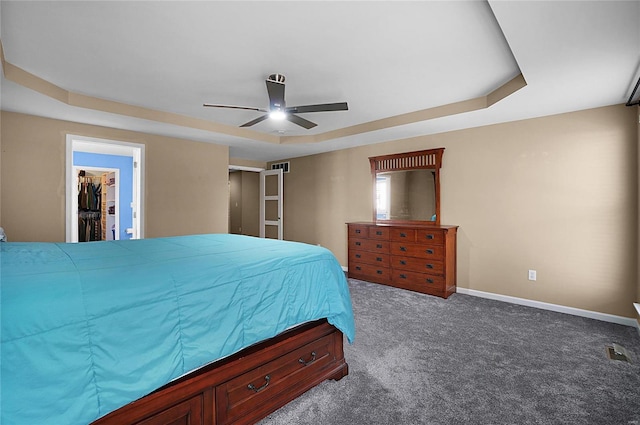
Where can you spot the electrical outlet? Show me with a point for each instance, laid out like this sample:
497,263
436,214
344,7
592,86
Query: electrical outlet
532,275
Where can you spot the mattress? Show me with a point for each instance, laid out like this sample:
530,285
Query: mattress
88,328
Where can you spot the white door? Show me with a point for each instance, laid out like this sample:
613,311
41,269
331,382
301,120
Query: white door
271,203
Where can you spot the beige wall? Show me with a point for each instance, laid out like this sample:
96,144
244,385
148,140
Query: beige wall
235,203
244,208
250,203
186,189
556,194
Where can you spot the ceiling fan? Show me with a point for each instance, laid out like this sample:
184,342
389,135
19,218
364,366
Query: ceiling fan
279,110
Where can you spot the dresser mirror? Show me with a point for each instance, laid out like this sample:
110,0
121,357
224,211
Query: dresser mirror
406,187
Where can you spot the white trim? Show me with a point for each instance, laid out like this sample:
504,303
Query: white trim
345,269
627,321
245,168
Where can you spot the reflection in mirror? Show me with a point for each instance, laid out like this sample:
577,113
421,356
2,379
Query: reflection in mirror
406,195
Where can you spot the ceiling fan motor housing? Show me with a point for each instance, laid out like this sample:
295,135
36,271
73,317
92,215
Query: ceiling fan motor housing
278,78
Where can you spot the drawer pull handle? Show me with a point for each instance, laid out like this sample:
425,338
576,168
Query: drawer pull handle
429,251
402,276
379,271
304,362
429,280
358,243
402,262
429,266
378,259
429,236
379,246
403,235
357,230
404,249
379,233
358,256
358,268
257,390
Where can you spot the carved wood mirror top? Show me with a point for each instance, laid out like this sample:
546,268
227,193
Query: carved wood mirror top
406,187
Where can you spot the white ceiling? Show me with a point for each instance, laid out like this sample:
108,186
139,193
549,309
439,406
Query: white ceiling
384,58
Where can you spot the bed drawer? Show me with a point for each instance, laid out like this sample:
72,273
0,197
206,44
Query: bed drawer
279,378
189,412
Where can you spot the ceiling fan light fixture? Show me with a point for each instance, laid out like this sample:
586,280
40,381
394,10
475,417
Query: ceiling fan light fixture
277,114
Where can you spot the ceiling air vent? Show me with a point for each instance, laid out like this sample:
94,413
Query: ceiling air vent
284,166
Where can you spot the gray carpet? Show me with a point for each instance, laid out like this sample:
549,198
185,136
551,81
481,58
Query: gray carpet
419,359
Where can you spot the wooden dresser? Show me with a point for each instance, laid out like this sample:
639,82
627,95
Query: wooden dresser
420,258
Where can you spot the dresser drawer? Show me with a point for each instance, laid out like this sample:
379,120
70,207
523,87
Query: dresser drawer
417,250
430,236
358,231
419,280
369,245
237,397
375,258
381,233
400,234
416,264
369,271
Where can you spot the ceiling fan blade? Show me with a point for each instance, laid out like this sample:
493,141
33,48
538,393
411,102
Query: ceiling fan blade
248,108
340,106
276,94
256,121
300,121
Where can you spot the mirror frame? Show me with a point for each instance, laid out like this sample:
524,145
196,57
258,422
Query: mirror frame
417,160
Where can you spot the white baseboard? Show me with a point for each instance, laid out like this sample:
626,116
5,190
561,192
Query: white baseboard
344,269
627,321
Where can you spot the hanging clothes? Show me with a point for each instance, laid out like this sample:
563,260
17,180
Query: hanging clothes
89,204
89,226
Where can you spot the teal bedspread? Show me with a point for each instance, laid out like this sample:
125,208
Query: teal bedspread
88,328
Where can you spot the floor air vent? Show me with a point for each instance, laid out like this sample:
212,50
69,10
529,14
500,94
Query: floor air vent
617,352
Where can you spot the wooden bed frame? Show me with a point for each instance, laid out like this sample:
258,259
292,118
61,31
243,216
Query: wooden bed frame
245,387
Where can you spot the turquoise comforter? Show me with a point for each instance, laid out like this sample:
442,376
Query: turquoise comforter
88,328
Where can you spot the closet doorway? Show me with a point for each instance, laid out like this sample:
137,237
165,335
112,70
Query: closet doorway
126,163
244,200
98,198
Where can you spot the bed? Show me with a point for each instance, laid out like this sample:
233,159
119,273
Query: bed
203,329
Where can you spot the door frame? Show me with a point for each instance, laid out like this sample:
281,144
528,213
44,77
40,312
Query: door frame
76,143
